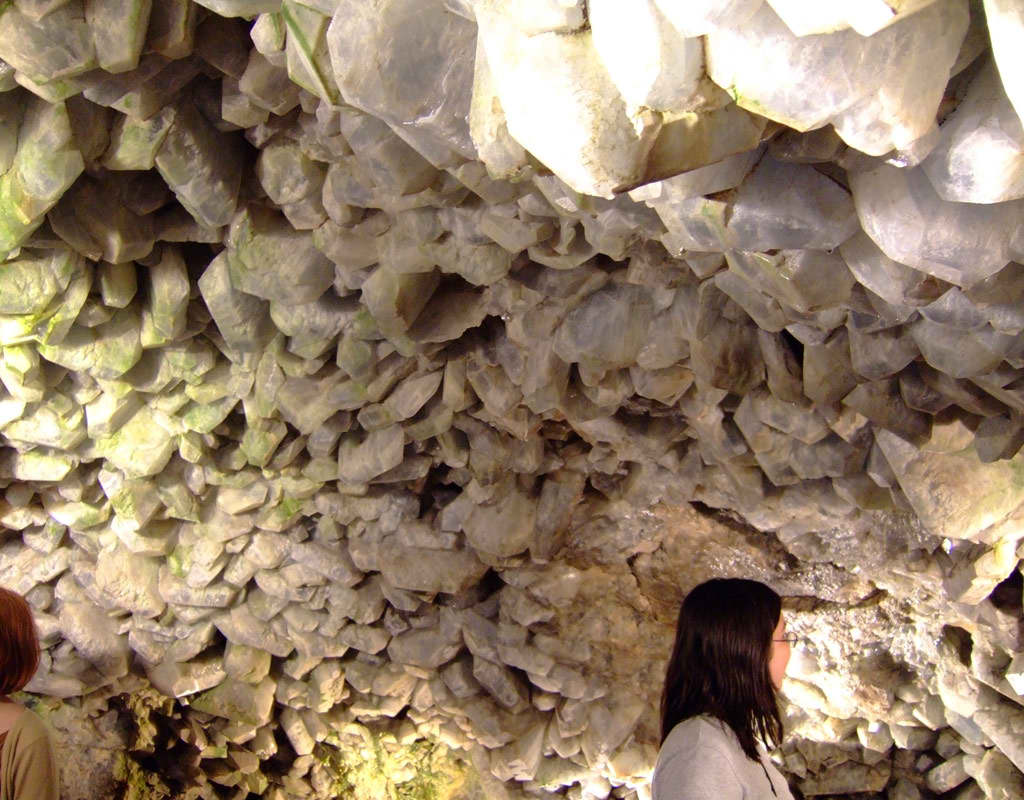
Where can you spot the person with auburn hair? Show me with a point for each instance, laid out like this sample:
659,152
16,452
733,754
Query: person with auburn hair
28,769
719,708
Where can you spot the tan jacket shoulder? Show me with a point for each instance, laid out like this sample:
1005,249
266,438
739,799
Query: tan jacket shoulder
28,768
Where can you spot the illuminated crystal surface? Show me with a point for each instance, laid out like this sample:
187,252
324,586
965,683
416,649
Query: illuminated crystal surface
376,378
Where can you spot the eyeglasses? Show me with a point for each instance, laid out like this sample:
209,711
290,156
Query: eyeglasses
789,639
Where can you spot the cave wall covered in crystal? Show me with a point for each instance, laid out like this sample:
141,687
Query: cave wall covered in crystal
378,375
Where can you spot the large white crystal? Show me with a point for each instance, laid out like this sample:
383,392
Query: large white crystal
894,282
608,329
959,242
130,581
867,17
420,75
789,206
503,156
560,104
202,166
545,16
118,31
1006,30
725,174
880,93
648,60
273,261
43,168
309,63
57,46
778,205
697,17
980,156
413,381
241,318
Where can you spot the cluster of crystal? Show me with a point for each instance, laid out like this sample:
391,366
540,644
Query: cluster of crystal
360,364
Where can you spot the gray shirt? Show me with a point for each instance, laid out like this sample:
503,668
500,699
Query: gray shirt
702,760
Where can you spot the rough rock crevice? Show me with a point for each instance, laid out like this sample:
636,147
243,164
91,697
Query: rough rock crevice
377,378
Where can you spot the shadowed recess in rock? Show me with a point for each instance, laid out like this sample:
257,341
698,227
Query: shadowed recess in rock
377,377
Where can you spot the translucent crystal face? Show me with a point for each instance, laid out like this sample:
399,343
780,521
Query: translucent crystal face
984,123
376,377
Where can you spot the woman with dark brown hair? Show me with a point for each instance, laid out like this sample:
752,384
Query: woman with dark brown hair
27,766
719,708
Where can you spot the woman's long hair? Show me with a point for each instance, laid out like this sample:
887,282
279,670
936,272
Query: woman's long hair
719,664
19,643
